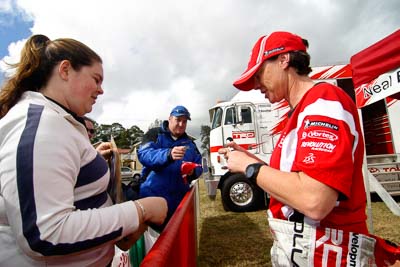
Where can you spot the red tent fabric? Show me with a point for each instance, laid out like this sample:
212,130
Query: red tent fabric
379,58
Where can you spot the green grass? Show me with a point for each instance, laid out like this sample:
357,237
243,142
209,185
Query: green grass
243,239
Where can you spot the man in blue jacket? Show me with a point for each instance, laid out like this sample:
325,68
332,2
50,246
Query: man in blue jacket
162,152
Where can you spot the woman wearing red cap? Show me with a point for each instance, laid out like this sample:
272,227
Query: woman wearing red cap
317,208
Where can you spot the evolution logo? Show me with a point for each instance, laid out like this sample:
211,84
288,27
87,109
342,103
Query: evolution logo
319,146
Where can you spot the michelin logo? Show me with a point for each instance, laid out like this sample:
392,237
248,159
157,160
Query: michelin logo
325,124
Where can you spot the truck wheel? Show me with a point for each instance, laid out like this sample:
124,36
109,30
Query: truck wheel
136,177
239,194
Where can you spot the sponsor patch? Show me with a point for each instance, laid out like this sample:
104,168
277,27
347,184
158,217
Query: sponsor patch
280,144
320,134
319,146
308,123
309,159
266,53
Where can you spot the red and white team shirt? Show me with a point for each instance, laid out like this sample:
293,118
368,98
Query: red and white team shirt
323,139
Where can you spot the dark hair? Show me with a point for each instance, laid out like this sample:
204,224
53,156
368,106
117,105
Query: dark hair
300,60
39,56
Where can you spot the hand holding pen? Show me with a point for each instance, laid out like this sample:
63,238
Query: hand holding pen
237,157
177,152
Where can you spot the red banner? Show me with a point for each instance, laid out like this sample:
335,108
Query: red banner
376,70
177,244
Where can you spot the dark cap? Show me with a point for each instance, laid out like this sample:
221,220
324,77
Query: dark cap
179,111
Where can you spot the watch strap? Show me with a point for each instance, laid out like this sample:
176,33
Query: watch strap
256,167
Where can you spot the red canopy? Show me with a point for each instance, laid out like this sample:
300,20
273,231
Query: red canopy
370,63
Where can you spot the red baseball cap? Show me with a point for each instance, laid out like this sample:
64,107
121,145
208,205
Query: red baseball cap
266,47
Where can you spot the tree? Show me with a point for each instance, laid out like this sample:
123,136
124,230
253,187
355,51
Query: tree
134,135
124,138
205,137
103,133
156,123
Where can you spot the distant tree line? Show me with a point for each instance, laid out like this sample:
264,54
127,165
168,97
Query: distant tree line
124,138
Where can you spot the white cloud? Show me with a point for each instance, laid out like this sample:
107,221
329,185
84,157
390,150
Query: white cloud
14,50
5,5
158,54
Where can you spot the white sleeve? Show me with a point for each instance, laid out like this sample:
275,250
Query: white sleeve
51,185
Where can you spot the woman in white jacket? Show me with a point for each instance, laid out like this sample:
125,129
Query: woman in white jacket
54,206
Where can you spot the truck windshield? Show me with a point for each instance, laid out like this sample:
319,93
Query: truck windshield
217,118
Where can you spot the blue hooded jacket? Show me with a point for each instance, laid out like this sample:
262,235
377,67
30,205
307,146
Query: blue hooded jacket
162,174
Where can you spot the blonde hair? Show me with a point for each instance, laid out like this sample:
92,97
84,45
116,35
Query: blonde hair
39,56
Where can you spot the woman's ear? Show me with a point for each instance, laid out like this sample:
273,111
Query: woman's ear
64,69
284,59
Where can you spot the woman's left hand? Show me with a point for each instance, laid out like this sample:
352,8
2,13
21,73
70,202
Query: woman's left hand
105,150
128,241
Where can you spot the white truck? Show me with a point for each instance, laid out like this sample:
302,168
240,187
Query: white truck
252,122
249,120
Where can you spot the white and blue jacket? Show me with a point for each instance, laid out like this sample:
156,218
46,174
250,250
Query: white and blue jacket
54,206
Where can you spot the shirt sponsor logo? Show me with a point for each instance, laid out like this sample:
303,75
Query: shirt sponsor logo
309,159
325,124
319,146
280,144
320,134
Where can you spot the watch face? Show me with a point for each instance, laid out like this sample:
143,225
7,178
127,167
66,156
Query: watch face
250,171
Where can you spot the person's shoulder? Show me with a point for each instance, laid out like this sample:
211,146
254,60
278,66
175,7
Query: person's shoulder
191,138
187,136
328,91
325,95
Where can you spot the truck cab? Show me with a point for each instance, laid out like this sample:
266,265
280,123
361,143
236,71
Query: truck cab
248,119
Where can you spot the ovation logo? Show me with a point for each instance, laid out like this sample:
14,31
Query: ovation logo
320,134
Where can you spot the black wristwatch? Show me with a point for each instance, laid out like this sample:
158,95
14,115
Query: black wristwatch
252,171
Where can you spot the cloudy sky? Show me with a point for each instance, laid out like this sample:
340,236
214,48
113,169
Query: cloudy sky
158,54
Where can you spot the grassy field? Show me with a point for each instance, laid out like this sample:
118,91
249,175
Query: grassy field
243,239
